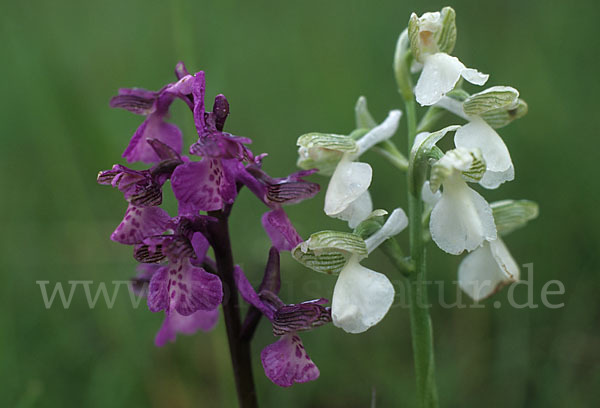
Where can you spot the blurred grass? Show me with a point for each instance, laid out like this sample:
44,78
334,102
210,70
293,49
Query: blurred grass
287,68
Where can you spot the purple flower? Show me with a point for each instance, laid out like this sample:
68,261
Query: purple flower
143,188
174,322
184,288
206,185
286,362
155,106
185,241
139,223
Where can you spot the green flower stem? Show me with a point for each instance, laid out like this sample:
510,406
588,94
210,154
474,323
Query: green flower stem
393,251
420,322
389,151
430,119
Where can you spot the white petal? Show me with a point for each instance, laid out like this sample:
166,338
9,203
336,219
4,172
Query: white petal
493,179
452,106
361,297
478,134
440,74
428,196
379,133
358,210
395,223
348,182
486,270
462,219
475,77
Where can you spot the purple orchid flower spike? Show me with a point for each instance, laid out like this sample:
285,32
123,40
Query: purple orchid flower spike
286,362
155,106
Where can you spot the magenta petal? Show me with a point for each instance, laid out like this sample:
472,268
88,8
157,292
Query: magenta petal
280,229
202,186
139,223
286,362
174,323
184,288
200,245
154,127
249,294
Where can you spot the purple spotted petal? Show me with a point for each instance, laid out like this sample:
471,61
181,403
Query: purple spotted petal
174,323
286,362
184,288
154,127
139,223
202,186
280,229
249,294
198,90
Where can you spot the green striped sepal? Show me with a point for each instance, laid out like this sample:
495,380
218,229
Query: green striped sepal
498,118
510,215
496,97
323,151
328,251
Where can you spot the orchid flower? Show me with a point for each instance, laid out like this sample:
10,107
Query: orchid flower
461,219
347,195
495,106
285,362
361,297
432,37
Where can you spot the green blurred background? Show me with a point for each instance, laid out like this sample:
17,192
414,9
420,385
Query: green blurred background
287,68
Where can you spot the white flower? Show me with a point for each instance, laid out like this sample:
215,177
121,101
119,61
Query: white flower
461,219
347,197
440,74
432,38
362,297
478,134
485,271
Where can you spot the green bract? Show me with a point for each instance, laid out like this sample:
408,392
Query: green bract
328,251
510,215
